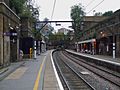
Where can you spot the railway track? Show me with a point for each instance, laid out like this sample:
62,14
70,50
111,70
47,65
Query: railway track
107,74
70,78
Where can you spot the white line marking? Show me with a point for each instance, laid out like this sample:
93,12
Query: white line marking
105,60
56,74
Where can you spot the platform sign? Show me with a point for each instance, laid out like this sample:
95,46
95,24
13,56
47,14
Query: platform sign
13,35
7,34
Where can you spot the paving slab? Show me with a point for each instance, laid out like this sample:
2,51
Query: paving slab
6,71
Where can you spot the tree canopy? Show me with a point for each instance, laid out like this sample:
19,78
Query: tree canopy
58,39
77,13
98,14
108,13
17,5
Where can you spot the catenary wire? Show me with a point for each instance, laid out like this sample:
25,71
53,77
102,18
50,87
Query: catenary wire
95,7
89,3
53,9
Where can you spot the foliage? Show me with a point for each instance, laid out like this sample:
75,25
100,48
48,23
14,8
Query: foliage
108,13
98,14
59,39
25,12
24,8
56,38
36,34
77,13
46,19
17,5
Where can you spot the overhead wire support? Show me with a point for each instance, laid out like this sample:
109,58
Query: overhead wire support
95,6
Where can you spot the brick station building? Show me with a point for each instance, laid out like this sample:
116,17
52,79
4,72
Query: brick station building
102,37
9,31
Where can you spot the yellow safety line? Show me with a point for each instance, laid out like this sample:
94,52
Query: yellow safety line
38,76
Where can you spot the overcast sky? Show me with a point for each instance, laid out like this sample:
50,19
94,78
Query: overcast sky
63,7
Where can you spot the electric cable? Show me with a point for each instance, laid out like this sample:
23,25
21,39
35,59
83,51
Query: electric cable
53,9
89,3
95,6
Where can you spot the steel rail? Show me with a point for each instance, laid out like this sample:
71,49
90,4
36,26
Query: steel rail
58,68
73,71
108,79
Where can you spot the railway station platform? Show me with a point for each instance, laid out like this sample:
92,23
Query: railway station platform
47,74
51,79
99,57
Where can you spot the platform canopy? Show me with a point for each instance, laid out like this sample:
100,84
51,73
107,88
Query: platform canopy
87,41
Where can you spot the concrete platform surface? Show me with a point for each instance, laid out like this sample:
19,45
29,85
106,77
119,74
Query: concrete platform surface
101,57
33,74
50,80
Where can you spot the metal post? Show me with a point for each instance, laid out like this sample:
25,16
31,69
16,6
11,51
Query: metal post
45,47
34,49
38,47
93,52
77,47
113,46
81,48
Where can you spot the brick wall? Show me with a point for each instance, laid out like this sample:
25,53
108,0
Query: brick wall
7,19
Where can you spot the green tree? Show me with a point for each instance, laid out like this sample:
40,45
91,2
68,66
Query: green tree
77,13
24,8
98,14
25,12
56,38
17,5
36,34
108,13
